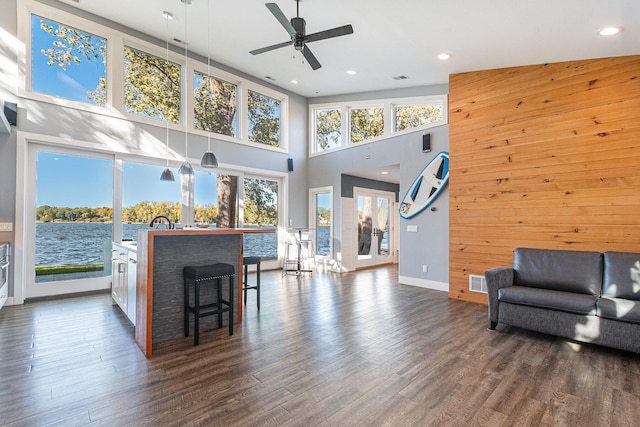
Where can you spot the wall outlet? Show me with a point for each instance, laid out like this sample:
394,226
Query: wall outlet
425,268
6,226
412,228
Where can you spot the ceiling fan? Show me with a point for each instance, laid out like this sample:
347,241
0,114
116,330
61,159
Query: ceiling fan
299,39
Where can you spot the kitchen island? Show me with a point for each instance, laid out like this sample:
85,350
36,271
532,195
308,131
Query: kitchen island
162,254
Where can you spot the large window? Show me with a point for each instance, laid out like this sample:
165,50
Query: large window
151,86
372,120
68,62
215,105
264,119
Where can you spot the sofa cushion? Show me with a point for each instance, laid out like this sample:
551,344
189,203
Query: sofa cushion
621,275
553,300
619,309
569,271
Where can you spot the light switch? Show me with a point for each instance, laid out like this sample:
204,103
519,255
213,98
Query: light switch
412,228
6,226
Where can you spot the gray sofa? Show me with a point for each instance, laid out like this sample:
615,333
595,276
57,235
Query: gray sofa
585,296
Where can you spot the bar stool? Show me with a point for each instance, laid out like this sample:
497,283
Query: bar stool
251,260
207,275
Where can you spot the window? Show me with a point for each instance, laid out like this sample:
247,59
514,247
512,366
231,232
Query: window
337,126
412,116
261,210
68,62
264,119
215,105
366,123
328,123
151,86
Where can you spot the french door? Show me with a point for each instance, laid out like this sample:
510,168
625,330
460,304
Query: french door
375,223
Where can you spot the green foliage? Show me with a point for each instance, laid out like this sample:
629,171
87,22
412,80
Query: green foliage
151,86
323,216
264,119
48,213
410,116
328,124
366,123
215,105
206,214
261,201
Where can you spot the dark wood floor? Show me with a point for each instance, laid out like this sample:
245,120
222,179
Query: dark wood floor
328,350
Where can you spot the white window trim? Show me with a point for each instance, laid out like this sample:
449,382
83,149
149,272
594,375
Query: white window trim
389,119
313,208
116,41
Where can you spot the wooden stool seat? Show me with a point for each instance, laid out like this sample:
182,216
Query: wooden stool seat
251,260
207,275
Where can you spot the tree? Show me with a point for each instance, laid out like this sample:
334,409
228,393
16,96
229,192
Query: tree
264,119
69,46
152,88
215,105
328,123
366,123
261,201
410,116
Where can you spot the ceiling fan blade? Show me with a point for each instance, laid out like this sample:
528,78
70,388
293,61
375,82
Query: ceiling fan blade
311,59
272,47
327,34
275,10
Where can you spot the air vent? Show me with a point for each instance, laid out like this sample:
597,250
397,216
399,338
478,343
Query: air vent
477,284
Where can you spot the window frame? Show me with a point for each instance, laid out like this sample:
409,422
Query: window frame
389,119
116,41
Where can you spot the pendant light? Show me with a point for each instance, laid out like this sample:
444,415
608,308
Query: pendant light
186,168
209,159
167,175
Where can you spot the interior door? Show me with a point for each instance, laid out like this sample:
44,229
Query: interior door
374,221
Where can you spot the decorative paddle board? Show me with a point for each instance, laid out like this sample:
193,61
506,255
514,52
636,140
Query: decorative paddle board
427,186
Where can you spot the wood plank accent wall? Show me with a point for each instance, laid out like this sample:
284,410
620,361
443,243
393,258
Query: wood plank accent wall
542,156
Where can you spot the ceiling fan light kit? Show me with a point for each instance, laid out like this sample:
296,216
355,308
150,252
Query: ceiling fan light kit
296,27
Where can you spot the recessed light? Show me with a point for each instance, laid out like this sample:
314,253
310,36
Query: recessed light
444,56
610,31
352,72
384,173
295,82
167,15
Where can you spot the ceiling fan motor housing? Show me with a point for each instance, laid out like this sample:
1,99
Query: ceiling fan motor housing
299,25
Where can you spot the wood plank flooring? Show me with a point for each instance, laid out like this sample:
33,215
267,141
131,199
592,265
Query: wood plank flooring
327,350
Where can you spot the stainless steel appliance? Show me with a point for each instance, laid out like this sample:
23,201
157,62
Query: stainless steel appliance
4,272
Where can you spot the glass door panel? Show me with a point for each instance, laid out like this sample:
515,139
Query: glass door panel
145,197
374,221
70,244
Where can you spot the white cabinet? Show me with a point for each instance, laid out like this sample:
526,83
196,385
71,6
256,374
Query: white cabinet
123,280
119,276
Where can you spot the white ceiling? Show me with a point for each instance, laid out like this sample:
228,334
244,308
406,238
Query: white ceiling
391,38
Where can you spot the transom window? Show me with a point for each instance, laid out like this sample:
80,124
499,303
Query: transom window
264,119
372,120
151,86
215,105
67,62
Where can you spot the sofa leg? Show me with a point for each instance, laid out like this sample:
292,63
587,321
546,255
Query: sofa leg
492,326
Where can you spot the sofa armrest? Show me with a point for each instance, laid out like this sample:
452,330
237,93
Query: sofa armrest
496,278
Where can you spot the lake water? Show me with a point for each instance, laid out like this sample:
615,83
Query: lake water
76,243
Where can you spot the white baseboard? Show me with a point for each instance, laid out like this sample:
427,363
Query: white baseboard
421,283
